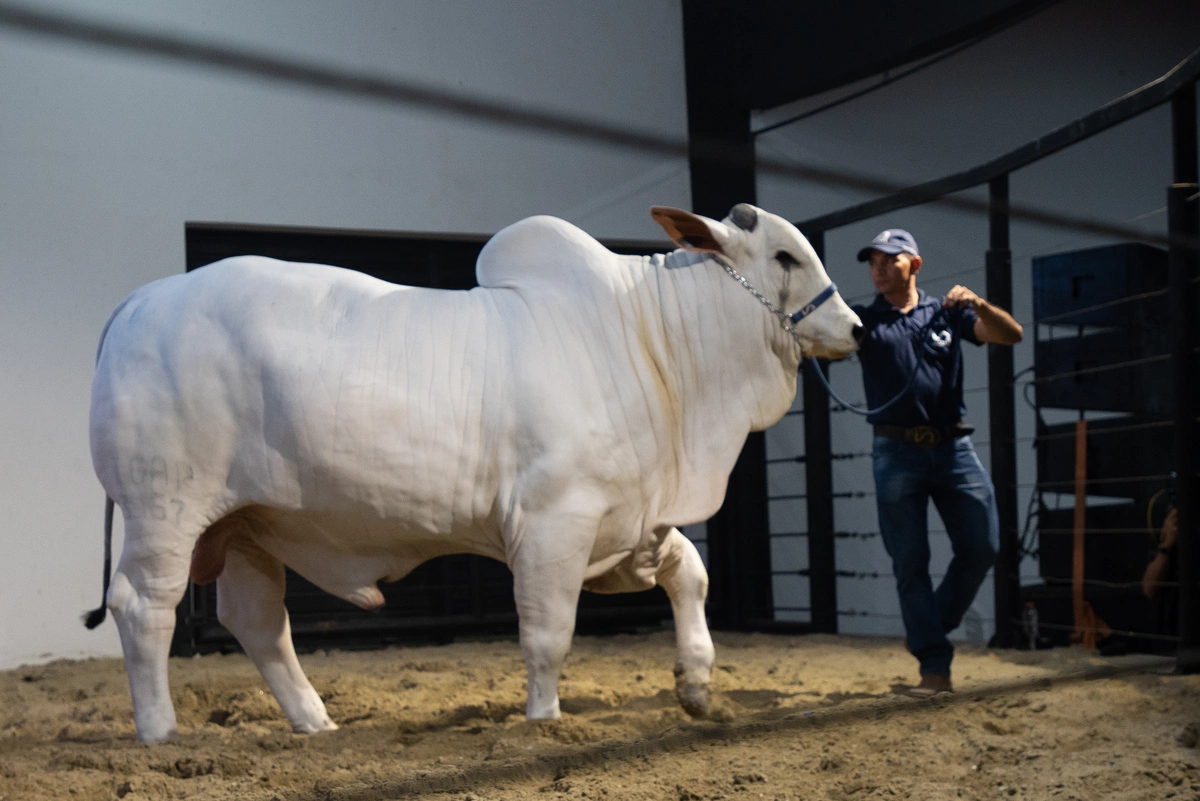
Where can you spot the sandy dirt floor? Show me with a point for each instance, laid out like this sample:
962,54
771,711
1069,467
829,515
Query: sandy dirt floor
796,718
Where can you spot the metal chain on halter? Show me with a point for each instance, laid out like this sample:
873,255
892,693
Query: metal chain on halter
785,321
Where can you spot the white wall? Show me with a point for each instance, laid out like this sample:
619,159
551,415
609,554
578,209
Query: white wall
970,108
105,156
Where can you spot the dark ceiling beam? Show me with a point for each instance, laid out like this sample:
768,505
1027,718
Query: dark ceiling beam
795,50
720,144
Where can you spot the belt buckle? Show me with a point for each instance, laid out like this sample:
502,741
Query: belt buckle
925,436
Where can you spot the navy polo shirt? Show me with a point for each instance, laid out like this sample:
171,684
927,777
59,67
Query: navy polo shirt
890,349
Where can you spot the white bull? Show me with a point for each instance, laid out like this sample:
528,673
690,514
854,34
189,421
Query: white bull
564,417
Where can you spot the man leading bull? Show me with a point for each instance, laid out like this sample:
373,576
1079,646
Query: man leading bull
922,450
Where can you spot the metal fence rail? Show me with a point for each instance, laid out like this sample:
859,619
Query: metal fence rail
1177,87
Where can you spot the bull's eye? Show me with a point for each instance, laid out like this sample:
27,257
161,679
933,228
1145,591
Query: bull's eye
786,260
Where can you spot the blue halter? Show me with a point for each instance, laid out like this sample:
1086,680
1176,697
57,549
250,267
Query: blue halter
812,305
789,321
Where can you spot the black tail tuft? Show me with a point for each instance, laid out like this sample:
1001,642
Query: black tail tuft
95,617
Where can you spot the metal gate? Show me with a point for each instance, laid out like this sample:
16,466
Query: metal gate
1174,349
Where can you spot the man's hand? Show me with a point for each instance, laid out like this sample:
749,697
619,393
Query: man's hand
993,323
1156,572
1170,530
960,296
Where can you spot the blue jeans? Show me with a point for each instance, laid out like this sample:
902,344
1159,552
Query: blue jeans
906,478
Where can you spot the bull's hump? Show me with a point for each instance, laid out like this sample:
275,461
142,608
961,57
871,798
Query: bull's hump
541,251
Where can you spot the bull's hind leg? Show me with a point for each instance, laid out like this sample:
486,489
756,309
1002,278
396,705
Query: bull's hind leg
682,574
250,604
147,585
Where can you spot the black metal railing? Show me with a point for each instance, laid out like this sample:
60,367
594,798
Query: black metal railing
1177,88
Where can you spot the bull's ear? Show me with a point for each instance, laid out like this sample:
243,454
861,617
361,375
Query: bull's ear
691,231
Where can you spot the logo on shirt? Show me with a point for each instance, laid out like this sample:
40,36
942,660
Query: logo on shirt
940,340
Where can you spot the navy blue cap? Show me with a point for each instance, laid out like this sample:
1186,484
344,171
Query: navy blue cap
891,241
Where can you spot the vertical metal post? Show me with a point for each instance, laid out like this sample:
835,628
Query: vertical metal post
721,158
818,472
1084,617
1183,223
1002,423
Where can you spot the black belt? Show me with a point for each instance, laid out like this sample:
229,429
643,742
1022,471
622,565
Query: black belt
924,436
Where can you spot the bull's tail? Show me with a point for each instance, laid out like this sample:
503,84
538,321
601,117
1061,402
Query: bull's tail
96,616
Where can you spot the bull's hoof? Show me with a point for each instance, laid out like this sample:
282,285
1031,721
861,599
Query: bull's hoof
156,735
693,698
307,727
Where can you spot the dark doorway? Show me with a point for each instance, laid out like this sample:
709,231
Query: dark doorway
445,597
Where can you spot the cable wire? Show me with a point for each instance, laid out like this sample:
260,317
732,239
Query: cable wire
407,93
1061,580
1088,309
925,281
1097,481
1141,531
1094,431
1102,368
1143,634
887,80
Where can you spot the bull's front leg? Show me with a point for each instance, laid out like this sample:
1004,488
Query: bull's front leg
548,572
681,573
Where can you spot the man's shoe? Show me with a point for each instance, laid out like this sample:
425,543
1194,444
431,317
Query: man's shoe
931,684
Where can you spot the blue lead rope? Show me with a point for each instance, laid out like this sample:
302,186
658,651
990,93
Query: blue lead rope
912,377
816,366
